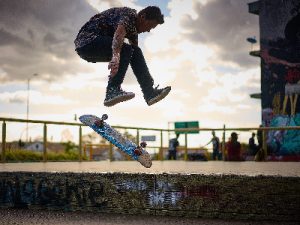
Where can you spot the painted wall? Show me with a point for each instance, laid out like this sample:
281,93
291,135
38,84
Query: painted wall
195,195
280,69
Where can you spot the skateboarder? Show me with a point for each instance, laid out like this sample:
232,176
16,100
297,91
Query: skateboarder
101,39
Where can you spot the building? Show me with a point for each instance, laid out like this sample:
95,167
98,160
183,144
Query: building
279,24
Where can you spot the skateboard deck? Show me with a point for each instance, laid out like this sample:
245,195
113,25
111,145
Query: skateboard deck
113,136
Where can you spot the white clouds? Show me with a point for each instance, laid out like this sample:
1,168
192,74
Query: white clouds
102,5
205,62
37,36
204,83
210,107
36,98
179,8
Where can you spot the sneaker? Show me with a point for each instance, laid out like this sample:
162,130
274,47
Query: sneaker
157,95
115,95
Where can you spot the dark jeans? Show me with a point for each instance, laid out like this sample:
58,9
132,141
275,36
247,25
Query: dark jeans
216,154
172,155
100,50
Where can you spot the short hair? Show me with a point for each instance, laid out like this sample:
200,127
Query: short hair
234,134
153,13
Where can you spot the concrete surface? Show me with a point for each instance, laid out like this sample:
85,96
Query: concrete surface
285,169
42,217
248,191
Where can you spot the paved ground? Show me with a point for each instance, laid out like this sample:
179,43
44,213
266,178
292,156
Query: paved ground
210,167
30,217
18,216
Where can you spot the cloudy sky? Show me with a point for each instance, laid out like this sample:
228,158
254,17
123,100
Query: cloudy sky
200,50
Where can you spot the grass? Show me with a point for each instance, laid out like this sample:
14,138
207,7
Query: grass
20,155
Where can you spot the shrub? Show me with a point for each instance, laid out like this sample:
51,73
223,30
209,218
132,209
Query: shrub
21,155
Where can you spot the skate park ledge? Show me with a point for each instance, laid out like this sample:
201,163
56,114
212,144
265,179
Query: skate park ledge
206,195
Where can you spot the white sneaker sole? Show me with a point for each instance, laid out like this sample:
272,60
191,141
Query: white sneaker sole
118,99
159,97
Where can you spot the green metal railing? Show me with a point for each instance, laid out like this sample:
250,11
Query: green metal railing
138,129
45,126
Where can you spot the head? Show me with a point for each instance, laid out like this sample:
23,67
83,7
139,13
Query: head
234,136
149,18
253,134
213,133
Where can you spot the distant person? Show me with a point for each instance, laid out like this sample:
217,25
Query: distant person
252,147
233,148
216,146
260,137
101,39
173,144
21,144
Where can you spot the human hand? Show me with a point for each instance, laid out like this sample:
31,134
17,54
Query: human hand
113,65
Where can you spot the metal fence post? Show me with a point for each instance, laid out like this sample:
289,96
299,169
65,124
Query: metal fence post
161,151
265,151
110,151
45,143
223,143
137,137
3,156
185,149
80,144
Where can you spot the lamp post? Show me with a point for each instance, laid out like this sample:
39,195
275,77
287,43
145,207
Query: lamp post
27,112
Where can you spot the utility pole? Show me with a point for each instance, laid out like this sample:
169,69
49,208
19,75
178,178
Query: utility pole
27,111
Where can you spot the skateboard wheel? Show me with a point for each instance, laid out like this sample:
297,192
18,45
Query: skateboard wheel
99,123
104,117
137,151
143,144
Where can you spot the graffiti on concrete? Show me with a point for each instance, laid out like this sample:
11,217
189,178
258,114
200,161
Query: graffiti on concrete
166,193
59,193
204,191
280,80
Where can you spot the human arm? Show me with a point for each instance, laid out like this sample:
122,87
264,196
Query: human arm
208,142
134,40
117,44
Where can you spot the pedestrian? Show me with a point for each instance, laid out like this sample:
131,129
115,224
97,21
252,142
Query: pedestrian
252,147
173,144
101,39
260,137
216,146
233,148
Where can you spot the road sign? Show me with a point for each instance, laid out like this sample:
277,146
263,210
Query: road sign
188,124
148,138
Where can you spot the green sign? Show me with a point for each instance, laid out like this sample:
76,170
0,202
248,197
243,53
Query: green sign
190,124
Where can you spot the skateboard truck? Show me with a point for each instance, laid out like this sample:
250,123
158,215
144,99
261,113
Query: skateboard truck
99,122
138,150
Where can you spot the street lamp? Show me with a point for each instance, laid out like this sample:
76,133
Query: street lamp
27,114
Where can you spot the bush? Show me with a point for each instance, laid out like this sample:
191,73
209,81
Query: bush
20,155
23,155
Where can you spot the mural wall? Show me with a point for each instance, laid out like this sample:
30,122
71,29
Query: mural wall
280,69
189,195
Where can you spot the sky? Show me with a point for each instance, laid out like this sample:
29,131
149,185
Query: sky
200,51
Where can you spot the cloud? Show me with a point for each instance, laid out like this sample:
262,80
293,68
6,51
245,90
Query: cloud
202,54
36,98
37,37
223,25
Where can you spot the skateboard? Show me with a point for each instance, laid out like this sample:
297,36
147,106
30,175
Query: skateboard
113,136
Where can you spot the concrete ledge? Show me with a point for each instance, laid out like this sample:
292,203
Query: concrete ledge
188,195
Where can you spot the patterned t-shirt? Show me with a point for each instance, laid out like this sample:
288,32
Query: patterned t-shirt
106,23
